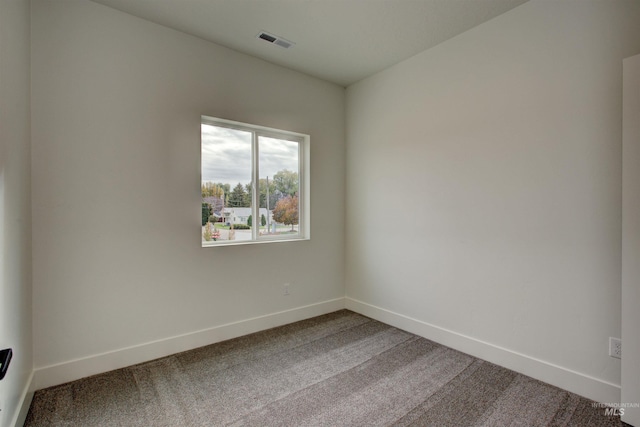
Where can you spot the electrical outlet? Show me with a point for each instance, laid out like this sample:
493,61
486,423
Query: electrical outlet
286,289
615,347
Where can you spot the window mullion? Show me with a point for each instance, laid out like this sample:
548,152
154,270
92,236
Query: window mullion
301,189
255,190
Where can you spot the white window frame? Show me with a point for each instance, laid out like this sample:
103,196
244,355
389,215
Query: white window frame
304,198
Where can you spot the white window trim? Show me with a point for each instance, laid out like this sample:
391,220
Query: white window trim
304,194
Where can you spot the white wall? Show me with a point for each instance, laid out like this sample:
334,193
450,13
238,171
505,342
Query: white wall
631,238
498,156
15,207
117,260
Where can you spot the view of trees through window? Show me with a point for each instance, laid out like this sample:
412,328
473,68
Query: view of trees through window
233,162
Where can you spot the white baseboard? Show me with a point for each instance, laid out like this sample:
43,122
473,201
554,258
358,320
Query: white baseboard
25,402
567,379
72,370
576,382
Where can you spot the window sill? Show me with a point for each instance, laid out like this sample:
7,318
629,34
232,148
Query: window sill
252,242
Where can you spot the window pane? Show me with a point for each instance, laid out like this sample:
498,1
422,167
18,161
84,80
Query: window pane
243,164
226,184
279,173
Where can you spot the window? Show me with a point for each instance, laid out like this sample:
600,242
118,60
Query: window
255,183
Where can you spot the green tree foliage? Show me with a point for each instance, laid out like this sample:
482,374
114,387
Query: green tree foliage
247,195
263,220
286,211
286,182
273,194
206,213
210,189
250,220
238,197
218,195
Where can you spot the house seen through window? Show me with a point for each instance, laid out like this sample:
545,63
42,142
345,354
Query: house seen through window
253,185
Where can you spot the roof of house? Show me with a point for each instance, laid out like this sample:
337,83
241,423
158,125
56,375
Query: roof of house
243,211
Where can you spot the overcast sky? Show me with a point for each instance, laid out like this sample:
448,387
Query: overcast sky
226,155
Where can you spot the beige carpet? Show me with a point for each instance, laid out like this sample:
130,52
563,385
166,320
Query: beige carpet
340,369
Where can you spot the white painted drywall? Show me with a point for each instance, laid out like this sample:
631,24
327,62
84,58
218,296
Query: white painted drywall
631,240
484,184
117,258
15,207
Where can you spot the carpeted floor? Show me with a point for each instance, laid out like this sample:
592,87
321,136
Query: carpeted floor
341,369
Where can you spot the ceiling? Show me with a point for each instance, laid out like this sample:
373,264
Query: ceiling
341,41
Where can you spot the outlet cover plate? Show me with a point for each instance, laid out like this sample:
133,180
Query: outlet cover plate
615,347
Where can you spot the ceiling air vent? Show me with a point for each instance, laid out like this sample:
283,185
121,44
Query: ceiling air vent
277,40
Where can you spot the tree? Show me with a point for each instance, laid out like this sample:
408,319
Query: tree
263,220
286,182
218,190
286,211
206,213
216,204
247,195
250,220
227,190
214,195
273,195
238,197
209,189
